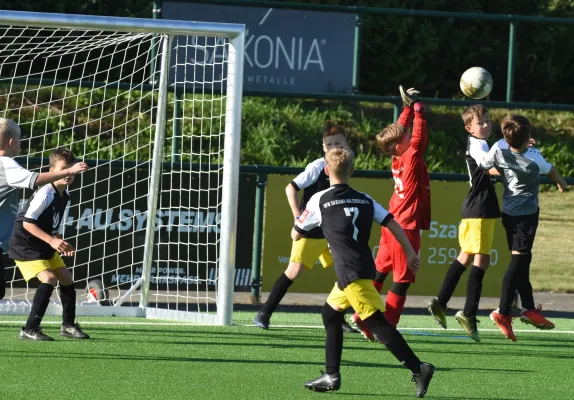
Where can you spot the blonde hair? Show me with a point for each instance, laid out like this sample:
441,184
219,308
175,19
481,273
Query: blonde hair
516,130
388,137
8,129
474,110
340,161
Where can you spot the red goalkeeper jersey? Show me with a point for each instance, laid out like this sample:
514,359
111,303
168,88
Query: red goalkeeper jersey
410,203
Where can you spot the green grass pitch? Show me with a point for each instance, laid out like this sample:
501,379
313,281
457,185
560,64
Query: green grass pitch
146,359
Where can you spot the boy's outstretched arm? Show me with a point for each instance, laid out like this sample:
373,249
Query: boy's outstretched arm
49,177
555,177
412,257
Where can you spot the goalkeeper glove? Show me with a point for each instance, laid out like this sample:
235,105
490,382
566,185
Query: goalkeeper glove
409,97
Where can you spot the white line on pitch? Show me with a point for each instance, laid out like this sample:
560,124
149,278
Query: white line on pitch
10,322
423,329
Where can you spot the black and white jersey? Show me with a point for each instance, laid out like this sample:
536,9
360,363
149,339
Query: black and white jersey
312,180
46,209
345,216
481,200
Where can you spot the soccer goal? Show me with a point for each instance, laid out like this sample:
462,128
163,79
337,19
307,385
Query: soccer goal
154,106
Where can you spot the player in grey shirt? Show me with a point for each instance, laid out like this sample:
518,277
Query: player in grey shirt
521,176
12,178
520,167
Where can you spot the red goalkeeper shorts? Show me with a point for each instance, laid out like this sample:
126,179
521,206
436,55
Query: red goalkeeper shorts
391,256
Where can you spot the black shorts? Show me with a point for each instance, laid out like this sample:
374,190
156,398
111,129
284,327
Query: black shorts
520,231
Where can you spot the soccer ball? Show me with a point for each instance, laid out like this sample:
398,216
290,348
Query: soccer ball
476,83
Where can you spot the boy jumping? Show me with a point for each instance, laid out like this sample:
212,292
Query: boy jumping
410,204
521,167
480,211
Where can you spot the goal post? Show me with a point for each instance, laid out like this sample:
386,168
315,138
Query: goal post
154,220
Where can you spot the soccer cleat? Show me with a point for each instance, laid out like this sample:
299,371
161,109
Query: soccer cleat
469,325
365,331
74,332
261,320
504,322
423,378
438,312
535,318
325,382
348,328
34,334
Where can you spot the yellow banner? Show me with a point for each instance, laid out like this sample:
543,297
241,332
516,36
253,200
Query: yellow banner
439,245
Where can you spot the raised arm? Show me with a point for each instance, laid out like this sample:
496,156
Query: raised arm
420,135
406,117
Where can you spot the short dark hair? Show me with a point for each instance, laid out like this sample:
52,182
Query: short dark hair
333,129
62,154
516,130
474,110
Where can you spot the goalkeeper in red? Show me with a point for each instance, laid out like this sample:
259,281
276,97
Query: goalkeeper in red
410,203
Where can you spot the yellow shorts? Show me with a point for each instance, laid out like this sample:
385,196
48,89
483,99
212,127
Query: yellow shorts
308,251
475,235
30,269
361,294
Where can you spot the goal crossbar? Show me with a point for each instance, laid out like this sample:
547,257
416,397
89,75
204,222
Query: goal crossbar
120,24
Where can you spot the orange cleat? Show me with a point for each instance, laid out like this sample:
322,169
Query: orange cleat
535,318
504,322
365,331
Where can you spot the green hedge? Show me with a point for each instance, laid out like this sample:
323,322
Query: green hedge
120,124
280,132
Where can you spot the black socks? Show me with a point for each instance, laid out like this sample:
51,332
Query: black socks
277,293
450,281
39,306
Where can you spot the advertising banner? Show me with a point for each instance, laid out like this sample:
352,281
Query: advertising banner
107,219
285,50
439,245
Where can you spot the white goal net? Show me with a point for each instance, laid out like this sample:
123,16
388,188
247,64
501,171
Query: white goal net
154,107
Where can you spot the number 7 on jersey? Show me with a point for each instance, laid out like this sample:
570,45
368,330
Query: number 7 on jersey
354,212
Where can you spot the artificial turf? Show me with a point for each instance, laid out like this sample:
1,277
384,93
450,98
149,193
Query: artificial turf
146,359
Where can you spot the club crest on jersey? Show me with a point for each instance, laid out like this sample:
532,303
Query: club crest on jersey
56,220
303,216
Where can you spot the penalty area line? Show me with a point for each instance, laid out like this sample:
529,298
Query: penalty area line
408,330
152,323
